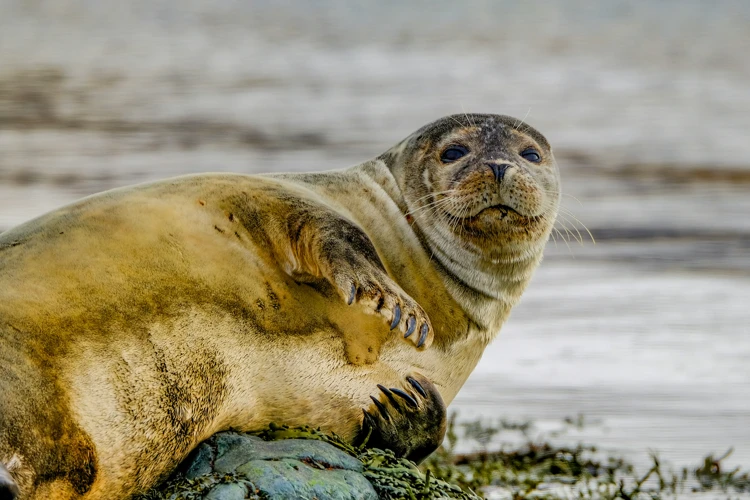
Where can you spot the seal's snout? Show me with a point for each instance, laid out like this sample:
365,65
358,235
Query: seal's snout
498,170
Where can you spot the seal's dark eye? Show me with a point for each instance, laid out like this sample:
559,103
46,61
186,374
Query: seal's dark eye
531,155
453,153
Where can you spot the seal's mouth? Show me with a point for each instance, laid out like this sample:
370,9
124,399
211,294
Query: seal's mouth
499,210
501,213
482,207
503,209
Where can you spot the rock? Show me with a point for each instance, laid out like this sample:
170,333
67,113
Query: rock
291,468
230,450
289,478
236,491
236,466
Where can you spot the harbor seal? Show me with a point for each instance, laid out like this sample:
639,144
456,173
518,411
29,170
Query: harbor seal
136,323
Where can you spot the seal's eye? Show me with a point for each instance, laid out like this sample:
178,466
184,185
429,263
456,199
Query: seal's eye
453,153
531,155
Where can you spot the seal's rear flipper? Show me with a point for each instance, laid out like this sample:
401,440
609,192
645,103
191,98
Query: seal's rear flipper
8,488
410,422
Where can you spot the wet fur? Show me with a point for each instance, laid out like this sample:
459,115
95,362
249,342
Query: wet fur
136,323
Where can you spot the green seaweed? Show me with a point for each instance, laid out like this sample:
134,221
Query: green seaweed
539,470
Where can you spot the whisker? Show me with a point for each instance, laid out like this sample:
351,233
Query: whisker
436,193
563,194
467,116
567,244
434,204
562,237
576,219
457,122
554,238
436,201
577,235
518,122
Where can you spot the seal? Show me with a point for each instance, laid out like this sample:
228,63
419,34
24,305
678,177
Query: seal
138,322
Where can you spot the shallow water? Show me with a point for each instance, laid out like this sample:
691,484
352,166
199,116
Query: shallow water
646,332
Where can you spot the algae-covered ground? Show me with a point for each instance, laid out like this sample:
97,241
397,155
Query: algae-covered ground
535,468
284,462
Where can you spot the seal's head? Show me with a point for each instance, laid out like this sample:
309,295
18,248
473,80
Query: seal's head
483,184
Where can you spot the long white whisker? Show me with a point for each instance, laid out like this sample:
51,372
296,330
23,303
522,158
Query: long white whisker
578,237
457,122
437,203
436,193
467,116
567,212
565,227
518,122
555,193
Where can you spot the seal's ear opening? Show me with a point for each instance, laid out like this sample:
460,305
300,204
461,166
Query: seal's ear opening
8,488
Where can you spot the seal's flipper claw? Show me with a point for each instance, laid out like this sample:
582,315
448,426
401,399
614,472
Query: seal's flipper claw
417,386
405,396
396,316
384,389
381,408
408,427
389,395
411,324
423,334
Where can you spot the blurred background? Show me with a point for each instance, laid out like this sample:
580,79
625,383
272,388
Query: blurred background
647,105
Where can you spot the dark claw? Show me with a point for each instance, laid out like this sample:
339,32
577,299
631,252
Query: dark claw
382,409
388,394
422,335
396,316
367,417
417,386
408,398
411,324
351,295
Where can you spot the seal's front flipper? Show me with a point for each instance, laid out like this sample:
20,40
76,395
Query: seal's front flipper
326,245
359,276
8,488
410,421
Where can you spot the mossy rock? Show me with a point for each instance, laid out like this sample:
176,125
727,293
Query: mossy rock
282,463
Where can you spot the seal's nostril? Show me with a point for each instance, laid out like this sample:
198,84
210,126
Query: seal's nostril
498,170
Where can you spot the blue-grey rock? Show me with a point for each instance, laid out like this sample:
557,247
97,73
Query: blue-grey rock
289,468
236,491
288,478
235,449
203,457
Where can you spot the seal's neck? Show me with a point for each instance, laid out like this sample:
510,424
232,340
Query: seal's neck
485,288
